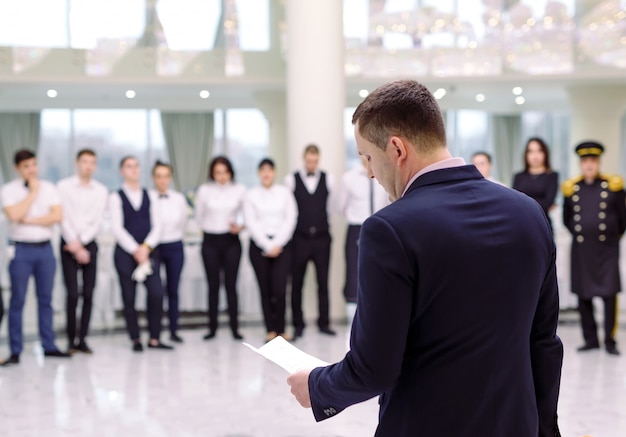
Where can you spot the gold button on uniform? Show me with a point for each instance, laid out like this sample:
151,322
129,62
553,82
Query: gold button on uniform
577,218
580,239
576,208
604,184
602,227
602,205
602,215
575,198
578,228
602,237
604,194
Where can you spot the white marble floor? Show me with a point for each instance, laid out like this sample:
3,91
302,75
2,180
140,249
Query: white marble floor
222,389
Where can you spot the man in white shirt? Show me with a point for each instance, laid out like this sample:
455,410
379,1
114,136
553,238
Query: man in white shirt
311,240
33,207
358,198
84,202
136,226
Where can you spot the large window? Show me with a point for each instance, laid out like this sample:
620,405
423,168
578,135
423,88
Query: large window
246,142
113,134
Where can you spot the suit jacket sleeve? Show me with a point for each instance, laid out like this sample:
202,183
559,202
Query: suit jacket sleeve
567,214
621,208
546,352
380,329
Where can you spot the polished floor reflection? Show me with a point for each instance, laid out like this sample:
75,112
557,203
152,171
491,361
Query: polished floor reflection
220,388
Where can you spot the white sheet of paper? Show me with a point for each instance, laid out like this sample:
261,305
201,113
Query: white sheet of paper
287,356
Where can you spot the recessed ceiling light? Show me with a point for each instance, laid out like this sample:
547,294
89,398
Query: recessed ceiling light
364,93
52,93
130,94
520,100
518,90
204,94
440,93
480,97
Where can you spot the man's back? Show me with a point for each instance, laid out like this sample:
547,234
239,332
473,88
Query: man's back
457,312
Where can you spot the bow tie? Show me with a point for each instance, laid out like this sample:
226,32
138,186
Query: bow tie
310,175
163,196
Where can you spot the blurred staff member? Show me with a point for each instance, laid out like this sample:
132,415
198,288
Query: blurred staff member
172,209
538,180
594,211
359,197
218,204
84,202
482,161
311,240
270,213
136,226
32,207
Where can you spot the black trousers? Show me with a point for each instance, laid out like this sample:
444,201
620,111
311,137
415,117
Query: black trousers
125,264
352,259
305,249
272,276
70,269
172,256
221,253
588,321
1,308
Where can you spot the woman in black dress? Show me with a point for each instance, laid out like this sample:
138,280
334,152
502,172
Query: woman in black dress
538,180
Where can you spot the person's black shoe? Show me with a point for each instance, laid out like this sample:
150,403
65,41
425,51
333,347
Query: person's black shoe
298,332
13,359
612,350
57,354
137,347
209,336
327,331
175,338
587,347
82,347
160,345
237,335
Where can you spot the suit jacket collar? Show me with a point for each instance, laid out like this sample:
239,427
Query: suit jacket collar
445,175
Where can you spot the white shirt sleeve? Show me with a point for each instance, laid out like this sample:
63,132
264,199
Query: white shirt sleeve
332,194
68,228
154,236
290,182
342,196
92,231
291,216
254,224
123,238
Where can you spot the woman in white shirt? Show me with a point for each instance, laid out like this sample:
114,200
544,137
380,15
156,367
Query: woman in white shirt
218,205
270,213
172,208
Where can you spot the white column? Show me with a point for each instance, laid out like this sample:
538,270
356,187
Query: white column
315,105
597,111
273,106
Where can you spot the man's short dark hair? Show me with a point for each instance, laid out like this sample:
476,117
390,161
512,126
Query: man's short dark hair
22,155
88,152
404,108
311,148
485,154
224,161
158,163
126,158
266,161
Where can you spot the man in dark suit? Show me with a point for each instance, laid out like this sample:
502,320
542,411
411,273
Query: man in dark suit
457,310
594,211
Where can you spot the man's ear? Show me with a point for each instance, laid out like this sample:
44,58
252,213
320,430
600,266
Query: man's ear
399,148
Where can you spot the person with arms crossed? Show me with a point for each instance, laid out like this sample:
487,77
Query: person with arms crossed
311,240
32,207
84,201
218,205
270,212
172,207
136,226
594,211
455,327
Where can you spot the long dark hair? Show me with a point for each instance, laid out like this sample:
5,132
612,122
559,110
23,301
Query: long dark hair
546,154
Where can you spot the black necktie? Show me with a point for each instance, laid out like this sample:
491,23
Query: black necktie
371,196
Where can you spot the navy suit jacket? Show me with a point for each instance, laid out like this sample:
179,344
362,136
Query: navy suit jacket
456,316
